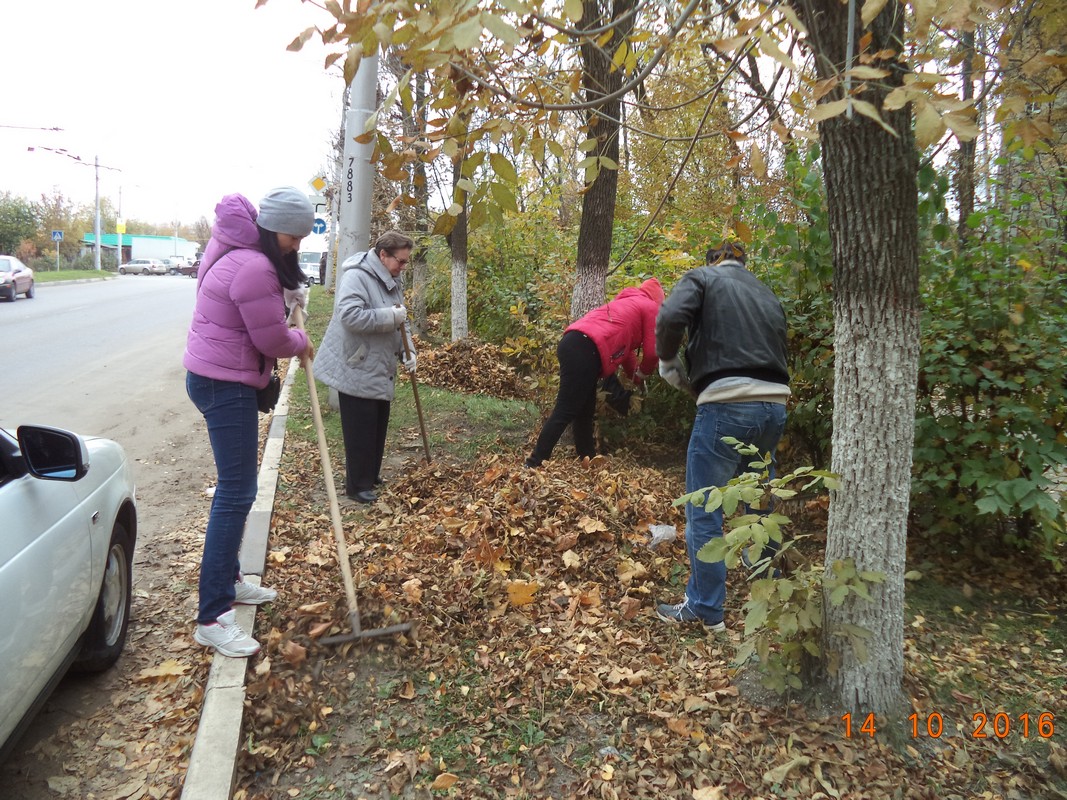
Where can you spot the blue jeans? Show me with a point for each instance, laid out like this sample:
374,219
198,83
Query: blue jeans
712,462
232,418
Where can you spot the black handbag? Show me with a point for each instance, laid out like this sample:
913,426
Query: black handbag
267,397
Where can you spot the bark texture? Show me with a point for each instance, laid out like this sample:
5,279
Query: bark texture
872,202
599,79
966,155
416,217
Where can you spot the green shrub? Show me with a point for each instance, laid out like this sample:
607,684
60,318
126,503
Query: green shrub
990,449
784,618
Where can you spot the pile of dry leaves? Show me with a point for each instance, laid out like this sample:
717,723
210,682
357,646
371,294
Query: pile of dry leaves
537,668
470,366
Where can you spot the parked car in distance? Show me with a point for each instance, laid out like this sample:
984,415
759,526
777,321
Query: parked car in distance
66,564
15,278
189,269
174,264
309,265
143,266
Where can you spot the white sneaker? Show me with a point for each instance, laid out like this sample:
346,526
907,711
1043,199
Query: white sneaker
248,594
226,636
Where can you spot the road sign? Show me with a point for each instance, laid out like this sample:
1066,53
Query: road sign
319,225
57,236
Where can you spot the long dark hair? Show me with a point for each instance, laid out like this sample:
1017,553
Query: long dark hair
286,265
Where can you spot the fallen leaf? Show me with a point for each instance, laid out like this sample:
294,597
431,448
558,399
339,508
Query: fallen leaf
521,593
413,590
446,780
294,654
778,774
319,629
629,606
168,669
590,525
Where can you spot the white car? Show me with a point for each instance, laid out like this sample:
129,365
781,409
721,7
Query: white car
143,266
175,264
68,525
309,264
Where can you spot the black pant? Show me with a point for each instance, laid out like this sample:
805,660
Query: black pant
364,424
579,372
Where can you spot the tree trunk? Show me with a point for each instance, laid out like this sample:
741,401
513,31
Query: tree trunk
966,153
457,243
598,204
871,192
416,217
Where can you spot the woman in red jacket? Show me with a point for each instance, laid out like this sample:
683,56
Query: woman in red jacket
594,347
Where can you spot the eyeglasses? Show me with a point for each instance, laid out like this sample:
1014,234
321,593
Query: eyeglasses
401,261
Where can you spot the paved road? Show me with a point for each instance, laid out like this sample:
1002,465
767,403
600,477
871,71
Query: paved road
90,356
105,358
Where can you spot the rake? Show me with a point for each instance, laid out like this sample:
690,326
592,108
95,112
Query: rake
335,517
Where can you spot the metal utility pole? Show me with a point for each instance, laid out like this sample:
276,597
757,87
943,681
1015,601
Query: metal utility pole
356,186
96,214
96,217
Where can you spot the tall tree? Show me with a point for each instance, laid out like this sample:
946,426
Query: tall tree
18,222
457,247
870,167
59,213
601,81
965,155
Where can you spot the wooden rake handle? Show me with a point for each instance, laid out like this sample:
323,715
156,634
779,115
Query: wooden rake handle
297,316
415,393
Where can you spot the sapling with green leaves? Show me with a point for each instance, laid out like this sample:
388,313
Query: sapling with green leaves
784,614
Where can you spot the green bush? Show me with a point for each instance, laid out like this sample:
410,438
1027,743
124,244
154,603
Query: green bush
990,449
790,252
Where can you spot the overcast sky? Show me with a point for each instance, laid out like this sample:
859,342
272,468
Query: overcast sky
190,99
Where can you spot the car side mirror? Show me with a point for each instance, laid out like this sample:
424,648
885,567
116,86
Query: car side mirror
53,454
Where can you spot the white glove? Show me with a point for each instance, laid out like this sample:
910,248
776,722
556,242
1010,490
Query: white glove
296,297
409,363
672,371
400,313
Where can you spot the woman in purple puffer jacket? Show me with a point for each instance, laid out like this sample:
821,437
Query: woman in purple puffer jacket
248,275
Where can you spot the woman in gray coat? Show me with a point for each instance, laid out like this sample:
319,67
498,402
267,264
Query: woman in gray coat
359,354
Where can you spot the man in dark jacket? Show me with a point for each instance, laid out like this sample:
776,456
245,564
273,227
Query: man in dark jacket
738,374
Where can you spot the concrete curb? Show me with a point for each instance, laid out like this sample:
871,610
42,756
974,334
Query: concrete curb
212,770
38,284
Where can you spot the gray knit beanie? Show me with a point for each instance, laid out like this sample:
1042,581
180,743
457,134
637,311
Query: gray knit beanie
286,210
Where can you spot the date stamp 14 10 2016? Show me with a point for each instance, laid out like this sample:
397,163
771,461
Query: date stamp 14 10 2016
999,725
